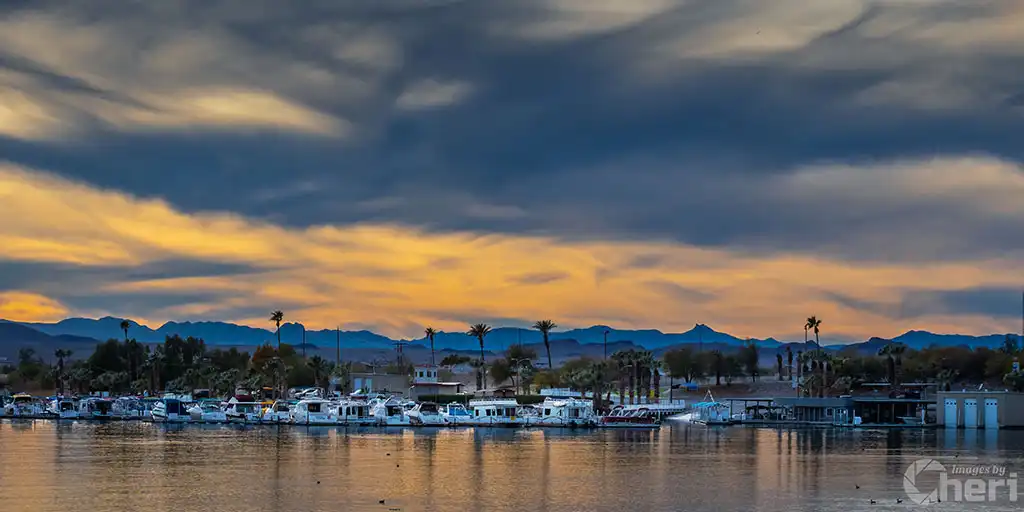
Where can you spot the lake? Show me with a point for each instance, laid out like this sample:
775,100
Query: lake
47,466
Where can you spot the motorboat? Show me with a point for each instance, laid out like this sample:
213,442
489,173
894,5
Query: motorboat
390,412
456,414
564,412
497,412
64,408
279,412
353,412
627,417
426,414
170,410
207,411
243,409
313,411
96,408
129,408
24,405
710,412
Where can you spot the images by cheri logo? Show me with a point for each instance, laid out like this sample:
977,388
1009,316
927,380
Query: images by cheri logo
928,481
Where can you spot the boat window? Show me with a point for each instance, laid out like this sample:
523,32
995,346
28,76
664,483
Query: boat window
547,412
313,407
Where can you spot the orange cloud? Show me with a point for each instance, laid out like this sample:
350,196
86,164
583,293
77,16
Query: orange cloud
398,279
30,307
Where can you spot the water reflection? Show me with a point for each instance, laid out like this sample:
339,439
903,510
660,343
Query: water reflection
46,466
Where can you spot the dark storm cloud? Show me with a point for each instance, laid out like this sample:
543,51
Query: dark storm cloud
566,136
539,277
994,302
55,278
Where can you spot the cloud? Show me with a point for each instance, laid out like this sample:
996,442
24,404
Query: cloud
539,278
618,139
994,302
430,93
23,306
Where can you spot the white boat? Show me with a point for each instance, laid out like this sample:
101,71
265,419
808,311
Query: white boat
389,412
313,411
64,408
710,412
279,412
24,405
129,408
497,412
628,417
426,414
96,408
564,412
456,414
353,412
207,412
238,411
170,410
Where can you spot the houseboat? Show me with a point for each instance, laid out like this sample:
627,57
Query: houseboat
389,412
96,408
353,412
629,417
312,411
279,412
170,410
564,412
496,412
456,414
426,414
64,408
243,409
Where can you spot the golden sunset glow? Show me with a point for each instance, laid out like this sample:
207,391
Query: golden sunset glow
399,279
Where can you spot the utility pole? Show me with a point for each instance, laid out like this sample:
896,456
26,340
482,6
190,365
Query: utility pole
398,348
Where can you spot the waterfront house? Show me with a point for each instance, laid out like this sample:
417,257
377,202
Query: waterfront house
425,382
980,409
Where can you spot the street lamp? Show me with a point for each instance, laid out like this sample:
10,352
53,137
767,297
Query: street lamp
517,363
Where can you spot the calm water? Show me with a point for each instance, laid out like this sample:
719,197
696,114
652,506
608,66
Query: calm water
45,466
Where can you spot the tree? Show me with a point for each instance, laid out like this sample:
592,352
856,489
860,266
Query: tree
480,331
1010,346
778,364
319,367
452,360
789,361
656,376
718,362
430,333
1015,380
623,367
683,364
748,357
125,324
277,317
545,327
813,323
500,371
61,376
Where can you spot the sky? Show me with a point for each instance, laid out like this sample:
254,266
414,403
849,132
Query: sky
399,163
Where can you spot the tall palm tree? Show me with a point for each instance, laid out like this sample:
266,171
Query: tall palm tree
621,360
61,354
789,361
545,327
480,331
277,317
125,324
656,365
430,332
813,323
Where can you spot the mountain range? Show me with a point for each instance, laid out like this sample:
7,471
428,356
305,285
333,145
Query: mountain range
80,334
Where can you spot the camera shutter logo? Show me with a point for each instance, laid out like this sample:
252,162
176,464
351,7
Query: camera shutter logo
910,480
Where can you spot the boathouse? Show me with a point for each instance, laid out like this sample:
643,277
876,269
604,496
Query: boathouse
980,409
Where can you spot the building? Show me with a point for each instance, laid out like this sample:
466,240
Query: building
425,382
380,383
980,409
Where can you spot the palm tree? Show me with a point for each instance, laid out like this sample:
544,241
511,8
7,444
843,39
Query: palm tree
277,317
719,362
789,361
318,365
125,324
430,332
479,331
656,373
545,327
813,323
61,354
621,359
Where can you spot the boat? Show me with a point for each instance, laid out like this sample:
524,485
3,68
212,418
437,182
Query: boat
456,414
353,412
207,411
64,408
24,405
170,410
389,412
426,414
129,408
710,412
243,409
629,417
96,408
278,412
564,412
312,411
496,412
